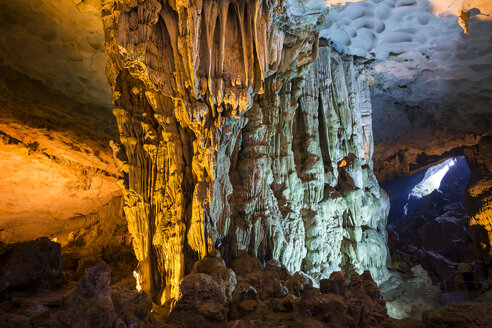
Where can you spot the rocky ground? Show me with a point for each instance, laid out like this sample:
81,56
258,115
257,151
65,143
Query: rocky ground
37,291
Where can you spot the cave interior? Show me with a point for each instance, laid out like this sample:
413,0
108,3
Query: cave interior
245,163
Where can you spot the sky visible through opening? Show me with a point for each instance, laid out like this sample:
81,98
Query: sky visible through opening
449,176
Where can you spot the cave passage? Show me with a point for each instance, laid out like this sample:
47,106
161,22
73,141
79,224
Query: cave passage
407,194
429,226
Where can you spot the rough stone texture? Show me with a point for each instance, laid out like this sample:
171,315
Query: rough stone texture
29,264
431,227
245,264
59,43
431,87
90,304
102,236
94,304
344,210
263,298
459,315
410,297
225,146
406,156
201,302
266,298
224,277
478,197
55,117
50,179
439,244
180,155
56,166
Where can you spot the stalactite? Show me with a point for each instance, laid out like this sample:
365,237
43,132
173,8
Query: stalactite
220,146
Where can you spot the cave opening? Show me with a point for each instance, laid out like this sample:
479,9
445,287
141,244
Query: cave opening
448,178
428,225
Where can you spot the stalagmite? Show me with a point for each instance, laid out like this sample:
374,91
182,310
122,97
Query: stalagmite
231,142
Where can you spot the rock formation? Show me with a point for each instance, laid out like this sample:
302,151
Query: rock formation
29,264
230,142
478,197
93,304
271,296
409,298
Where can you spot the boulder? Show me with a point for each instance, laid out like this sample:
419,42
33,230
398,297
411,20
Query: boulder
245,264
90,304
226,280
208,264
93,304
131,306
201,304
410,297
34,263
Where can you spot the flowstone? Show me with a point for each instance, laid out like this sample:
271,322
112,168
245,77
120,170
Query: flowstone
230,141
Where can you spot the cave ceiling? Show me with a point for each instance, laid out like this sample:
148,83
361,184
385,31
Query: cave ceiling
428,74
432,82
432,87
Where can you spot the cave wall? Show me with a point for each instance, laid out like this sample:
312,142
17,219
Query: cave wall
59,43
226,147
478,196
56,166
344,209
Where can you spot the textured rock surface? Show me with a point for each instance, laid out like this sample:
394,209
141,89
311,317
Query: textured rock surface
407,156
55,117
460,315
344,209
433,229
432,89
48,175
58,43
412,296
29,264
225,146
57,170
262,298
94,304
272,297
478,197
102,236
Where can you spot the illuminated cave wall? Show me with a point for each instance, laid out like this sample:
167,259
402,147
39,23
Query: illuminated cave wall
478,196
56,167
226,146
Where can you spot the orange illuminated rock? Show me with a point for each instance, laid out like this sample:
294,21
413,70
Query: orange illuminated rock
478,197
56,166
